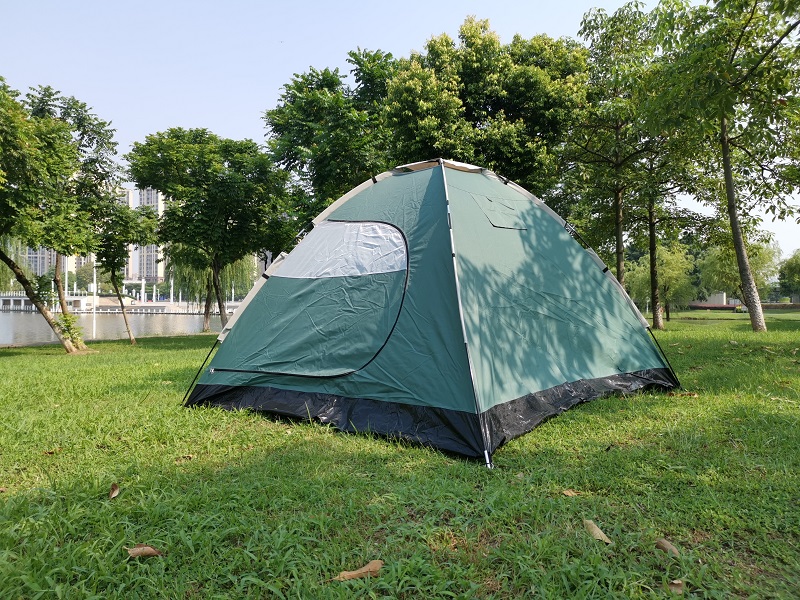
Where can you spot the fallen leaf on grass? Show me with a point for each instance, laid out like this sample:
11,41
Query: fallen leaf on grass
734,343
3,490
53,451
184,458
676,587
571,493
113,492
368,570
684,394
666,546
595,531
143,550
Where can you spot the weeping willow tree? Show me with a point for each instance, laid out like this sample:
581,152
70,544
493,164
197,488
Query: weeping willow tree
197,284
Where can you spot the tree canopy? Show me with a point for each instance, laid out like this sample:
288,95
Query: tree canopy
507,107
38,156
789,275
221,195
329,134
732,79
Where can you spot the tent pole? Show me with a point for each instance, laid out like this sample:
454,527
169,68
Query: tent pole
191,385
664,355
484,433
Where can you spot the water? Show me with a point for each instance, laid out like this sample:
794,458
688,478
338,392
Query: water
28,329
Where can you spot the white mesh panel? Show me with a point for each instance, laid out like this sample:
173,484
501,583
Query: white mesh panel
342,249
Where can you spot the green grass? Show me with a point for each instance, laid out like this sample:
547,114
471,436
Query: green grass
248,507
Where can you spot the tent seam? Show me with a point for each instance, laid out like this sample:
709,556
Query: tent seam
481,421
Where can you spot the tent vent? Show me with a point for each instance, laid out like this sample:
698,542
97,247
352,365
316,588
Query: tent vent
605,270
374,180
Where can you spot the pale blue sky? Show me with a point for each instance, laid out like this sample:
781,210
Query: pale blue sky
148,65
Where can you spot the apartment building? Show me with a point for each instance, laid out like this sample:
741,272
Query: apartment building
142,262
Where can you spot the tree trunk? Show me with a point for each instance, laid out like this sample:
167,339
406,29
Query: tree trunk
618,214
223,313
66,342
73,334
115,285
655,301
62,300
749,289
207,307
666,309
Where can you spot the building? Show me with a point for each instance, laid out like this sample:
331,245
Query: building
149,267
143,263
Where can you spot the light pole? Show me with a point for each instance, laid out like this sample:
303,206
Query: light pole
94,302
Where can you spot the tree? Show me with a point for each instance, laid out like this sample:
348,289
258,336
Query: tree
221,195
503,106
328,134
733,79
674,278
719,271
120,227
789,275
36,156
85,275
67,226
609,145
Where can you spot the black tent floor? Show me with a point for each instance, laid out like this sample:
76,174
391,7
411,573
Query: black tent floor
463,433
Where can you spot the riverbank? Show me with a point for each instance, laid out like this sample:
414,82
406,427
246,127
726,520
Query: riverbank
19,329
247,507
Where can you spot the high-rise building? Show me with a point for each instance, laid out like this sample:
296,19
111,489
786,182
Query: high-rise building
142,262
151,267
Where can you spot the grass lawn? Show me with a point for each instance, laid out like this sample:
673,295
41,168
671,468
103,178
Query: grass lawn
246,507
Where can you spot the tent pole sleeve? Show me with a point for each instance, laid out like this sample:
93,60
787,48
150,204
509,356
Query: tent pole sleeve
484,432
200,370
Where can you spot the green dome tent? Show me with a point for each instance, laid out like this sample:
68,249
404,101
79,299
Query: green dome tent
438,303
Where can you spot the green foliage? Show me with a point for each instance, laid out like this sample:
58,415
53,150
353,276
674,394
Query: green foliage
611,159
69,325
731,79
789,275
328,134
503,106
249,507
84,276
118,228
66,220
36,156
674,275
221,196
719,273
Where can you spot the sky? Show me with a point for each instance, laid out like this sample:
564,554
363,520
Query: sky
150,65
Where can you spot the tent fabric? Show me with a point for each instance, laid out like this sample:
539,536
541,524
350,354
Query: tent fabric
341,249
436,303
